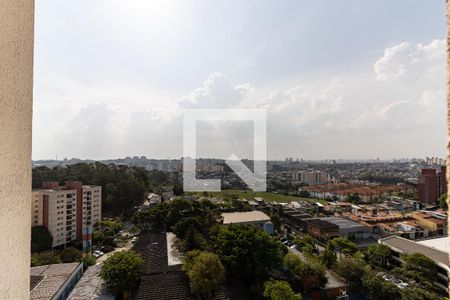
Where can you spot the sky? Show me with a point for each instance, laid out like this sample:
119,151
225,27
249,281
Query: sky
338,79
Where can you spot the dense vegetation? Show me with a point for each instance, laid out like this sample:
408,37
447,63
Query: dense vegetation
56,256
246,253
105,232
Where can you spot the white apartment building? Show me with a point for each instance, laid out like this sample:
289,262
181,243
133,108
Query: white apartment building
65,210
36,209
92,204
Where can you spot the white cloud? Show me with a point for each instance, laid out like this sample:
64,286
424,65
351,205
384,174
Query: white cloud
412,62
330,114
217,91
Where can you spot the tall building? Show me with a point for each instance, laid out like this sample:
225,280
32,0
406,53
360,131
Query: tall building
65,210
432,185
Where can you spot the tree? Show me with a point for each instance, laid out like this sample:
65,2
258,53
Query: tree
122,271
304,193
279,290
182,227
113,226
275,219
70,255
88,261
41,239
342,245
45,258
189,258
293,264
309,274
413,292
443,201
378,288
206,274
303,241
353,198
420,267
193,240
351,269
378,254
328,257
246,251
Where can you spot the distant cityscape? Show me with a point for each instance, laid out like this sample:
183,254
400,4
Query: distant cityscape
399,204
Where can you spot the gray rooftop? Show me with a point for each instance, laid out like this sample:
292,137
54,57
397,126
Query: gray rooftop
342,223
406,246
91,287
52,278
334,281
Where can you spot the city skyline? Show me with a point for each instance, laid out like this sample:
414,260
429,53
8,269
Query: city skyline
103,89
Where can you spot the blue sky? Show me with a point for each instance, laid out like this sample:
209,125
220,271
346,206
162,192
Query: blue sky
340,79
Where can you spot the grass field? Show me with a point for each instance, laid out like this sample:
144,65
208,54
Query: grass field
249,195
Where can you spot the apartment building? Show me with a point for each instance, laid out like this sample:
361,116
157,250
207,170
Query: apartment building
65,210
309,177
432,185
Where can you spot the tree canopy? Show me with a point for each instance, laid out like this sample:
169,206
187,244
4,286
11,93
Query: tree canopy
45,258
307,274
443,201
41,239
122,271
378,254
378,288
305,244
342,245
206,273
351,269
280,290
246,251
328,257
420,267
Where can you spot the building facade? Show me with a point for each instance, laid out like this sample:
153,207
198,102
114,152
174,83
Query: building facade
65,210
432,185
309,177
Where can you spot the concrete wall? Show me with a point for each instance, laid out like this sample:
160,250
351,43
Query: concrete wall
16,87
448,116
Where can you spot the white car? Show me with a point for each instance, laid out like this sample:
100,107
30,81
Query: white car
98,253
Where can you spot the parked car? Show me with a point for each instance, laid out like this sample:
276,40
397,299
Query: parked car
98,253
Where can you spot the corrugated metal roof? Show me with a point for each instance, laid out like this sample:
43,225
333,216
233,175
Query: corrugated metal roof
54,277
408,247
91,287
